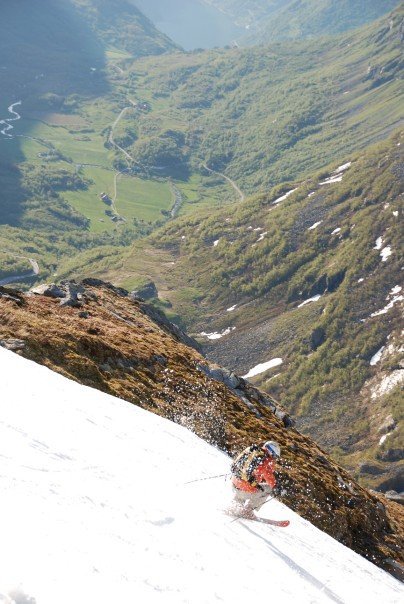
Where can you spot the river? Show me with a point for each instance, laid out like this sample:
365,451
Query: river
6,121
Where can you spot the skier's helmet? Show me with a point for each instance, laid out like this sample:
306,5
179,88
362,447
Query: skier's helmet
272,448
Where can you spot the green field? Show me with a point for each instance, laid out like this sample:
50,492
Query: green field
142,199
89,203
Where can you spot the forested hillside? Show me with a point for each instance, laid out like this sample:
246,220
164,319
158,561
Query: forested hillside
298,19
247,12
120,24
265,116
271,20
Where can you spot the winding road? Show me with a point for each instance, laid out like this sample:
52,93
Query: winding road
111,135
122,150
35,270
229,180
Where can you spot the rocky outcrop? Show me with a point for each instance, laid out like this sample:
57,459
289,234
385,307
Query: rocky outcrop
48,289
12,295
388,425
145,292
394,496
69,292
245,391
12,344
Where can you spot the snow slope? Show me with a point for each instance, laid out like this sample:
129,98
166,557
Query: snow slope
95,508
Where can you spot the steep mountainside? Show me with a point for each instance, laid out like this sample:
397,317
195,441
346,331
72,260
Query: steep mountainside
102,337
312,18
120,24
313,278
264,116
248,13
52,47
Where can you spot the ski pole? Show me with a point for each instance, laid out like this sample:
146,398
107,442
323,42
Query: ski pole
207,478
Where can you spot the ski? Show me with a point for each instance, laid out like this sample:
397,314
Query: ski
280,523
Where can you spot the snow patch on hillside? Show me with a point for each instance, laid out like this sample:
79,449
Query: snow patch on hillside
377,356
390,305
382,439
285,196
309,300
337,175
386,253
343,167
331,180
379,243
261,367
217,335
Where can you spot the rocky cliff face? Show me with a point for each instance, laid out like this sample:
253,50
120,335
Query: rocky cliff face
100,336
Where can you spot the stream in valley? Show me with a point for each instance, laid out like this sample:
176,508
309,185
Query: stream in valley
5,123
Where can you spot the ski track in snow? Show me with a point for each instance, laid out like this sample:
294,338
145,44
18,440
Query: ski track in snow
97,494
6,121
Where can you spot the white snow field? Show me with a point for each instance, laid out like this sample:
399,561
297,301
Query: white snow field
261,367
95,509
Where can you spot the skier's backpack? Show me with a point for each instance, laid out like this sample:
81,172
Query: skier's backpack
247,462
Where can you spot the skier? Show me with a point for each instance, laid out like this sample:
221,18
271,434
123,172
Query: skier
253,477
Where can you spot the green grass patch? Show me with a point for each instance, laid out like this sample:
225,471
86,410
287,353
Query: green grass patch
88,202
142,199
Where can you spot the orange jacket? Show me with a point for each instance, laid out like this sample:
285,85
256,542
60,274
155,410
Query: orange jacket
263,473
